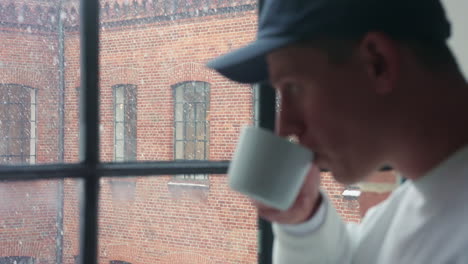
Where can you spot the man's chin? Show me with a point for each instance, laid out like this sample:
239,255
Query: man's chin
346,181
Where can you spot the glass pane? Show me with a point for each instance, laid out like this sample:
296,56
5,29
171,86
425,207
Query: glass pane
190,131
201,112
194,92
179,112
179,93
40,58
157,50
39,220
201,128
166,220
189,150
189,112
119,94
119,112
4,112
15,111
130,150
119,131
179,150
131,94
15,129
200,88
200,151
179,131
119,149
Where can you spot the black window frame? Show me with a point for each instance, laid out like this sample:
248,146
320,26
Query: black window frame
90,169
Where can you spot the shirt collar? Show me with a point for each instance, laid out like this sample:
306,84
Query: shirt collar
445,178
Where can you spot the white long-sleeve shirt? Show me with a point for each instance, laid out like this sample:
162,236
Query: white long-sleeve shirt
423,221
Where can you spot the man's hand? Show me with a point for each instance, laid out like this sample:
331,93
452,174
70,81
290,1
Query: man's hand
305,206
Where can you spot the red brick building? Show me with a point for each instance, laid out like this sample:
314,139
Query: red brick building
158,102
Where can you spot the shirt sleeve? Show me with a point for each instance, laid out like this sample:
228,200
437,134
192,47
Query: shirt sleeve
323,239
309,226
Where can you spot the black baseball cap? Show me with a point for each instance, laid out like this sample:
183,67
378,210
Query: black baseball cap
284,22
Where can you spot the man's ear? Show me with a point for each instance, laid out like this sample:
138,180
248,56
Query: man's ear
381,58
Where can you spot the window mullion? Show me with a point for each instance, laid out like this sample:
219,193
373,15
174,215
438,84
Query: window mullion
266,120
89,126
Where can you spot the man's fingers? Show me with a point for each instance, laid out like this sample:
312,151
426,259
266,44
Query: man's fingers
266,212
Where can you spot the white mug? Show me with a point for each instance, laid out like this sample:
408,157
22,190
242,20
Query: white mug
268,168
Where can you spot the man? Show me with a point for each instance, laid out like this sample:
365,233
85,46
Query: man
366,83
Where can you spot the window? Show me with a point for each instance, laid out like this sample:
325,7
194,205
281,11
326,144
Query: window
190,123
144,50
125,122
17,260
255,97
17,124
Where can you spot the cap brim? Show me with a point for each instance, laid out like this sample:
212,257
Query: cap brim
248,64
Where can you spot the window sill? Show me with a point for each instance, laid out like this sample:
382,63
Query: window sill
201,185
351,194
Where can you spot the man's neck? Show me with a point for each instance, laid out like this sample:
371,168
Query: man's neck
434,126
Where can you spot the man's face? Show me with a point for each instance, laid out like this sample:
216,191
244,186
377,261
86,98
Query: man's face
332,109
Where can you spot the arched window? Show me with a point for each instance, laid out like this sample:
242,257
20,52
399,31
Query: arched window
17,124
191,129
125,122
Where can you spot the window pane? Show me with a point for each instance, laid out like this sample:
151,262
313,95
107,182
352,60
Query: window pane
40,58
119,149
179,150
179,130
201,112
39,219
164,220
190,131
200,151
15,129
190,150
189,112
119,131
179,111
201,130
119,112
